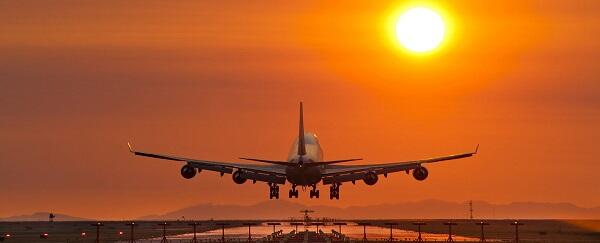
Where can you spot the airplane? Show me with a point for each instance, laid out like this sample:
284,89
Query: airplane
304,167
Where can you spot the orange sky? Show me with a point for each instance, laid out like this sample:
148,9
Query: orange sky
78,80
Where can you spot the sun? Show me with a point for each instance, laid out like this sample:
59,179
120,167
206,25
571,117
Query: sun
420,29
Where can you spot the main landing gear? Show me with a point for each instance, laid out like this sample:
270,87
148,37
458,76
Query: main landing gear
314,192
293,192
334,191
274,191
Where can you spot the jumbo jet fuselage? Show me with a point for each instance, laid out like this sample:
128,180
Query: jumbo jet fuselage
302,174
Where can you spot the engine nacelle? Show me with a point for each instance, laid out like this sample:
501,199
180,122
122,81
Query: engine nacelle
238,177
370,178
188,172
420,173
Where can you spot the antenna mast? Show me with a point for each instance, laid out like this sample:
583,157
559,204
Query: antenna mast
471,209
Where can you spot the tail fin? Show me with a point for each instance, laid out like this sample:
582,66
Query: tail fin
301,145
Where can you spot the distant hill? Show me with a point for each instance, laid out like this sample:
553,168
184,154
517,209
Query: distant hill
427,209
43,216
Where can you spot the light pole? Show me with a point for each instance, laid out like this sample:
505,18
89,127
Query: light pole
98,225
482,224
391,224
339,224
249,233
194,225
450,230
273,224
222,230
132,225
296,225
164,238
419,224
516,224
364,225
318,224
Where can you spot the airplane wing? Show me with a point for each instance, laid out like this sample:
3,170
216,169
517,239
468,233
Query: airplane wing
267,173
344,173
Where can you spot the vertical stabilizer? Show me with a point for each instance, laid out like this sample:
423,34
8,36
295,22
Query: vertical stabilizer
301,145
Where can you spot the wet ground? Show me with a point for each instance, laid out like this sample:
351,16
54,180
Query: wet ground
353,231
550,231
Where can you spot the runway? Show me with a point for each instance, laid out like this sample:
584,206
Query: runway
287,233
433,230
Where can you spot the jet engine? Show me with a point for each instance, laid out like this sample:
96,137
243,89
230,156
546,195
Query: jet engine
188,172
420,173
238,177
370,178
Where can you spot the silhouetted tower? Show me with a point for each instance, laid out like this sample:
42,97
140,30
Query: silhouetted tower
482,238
164,238
471,209
51,217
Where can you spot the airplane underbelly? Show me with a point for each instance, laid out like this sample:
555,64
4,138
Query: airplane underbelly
303,176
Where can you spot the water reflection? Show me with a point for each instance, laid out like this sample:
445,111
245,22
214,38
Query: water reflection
350,230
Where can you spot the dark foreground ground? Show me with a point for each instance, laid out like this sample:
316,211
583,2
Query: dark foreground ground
530,231
111,231
499,230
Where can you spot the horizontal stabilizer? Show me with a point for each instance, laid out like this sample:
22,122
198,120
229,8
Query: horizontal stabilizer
296,164
271,161
331,162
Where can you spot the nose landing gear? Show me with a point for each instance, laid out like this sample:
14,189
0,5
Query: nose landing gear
334,191
314,192
274,191
293,192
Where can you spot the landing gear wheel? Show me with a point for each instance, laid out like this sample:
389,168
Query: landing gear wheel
273,191
314,192
334,191
293,192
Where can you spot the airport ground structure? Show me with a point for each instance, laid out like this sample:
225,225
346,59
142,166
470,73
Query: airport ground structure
152,231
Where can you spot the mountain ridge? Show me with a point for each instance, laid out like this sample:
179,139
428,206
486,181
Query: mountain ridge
425,209
43,216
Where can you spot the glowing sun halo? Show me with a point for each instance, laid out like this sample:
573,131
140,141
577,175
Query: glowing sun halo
420,29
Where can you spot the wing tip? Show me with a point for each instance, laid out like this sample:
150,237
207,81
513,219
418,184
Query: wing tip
130,148
476,149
